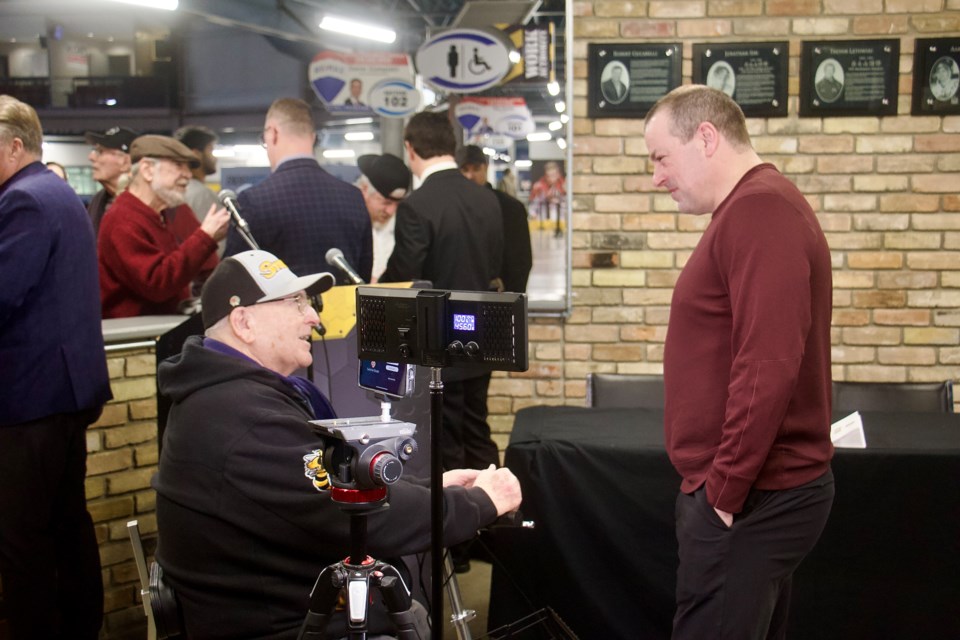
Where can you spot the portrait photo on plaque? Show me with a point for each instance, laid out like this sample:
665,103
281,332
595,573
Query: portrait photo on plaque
754,74
849,78
626,79
936,77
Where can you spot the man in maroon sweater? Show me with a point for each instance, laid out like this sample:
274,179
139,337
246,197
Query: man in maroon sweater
746,372
151,247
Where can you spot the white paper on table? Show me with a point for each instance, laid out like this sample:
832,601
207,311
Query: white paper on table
848,432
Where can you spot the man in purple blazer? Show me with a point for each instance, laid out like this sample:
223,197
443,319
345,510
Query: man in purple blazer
53,384
301,211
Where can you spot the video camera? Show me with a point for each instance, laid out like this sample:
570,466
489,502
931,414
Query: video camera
363,456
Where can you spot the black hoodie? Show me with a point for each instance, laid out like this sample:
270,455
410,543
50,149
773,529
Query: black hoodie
243,530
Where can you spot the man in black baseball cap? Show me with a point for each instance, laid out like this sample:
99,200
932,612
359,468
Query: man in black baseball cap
110,159
384,181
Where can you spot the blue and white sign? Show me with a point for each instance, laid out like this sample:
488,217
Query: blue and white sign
463,60
394,98
345,82
485,116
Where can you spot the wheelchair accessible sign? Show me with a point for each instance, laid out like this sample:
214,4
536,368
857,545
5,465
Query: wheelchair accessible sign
463,60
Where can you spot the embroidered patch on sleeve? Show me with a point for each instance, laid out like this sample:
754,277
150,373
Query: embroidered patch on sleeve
313,469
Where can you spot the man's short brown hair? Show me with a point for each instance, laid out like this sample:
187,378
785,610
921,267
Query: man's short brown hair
294,115
693,104
430,134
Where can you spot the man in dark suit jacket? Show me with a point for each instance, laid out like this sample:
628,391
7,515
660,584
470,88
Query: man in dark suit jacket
517,252
301,211
450,232
53,383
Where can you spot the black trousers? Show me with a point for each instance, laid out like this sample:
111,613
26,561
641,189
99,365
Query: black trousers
465,442
734,583
49,559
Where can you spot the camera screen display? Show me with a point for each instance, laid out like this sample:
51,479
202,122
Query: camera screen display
464,322
384,377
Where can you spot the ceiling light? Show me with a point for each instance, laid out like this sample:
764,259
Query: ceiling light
224,152
553,88
539,136
514,57
564,118
358,29
523,164
339,153
560,106
169,5
555,125
358,136
358,121
562,143
490,151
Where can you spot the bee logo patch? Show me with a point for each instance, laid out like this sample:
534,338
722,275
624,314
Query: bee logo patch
313,469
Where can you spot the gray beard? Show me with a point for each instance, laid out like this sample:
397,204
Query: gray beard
171,197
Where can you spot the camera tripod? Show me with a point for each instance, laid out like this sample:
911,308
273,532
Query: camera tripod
356,575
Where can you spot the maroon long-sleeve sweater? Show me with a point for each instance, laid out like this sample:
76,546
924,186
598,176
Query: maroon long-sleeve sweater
147,261
747,355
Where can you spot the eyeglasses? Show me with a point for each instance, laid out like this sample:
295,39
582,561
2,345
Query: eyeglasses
300,299
263,135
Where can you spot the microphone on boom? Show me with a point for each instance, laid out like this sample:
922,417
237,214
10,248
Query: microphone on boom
228,199
335,259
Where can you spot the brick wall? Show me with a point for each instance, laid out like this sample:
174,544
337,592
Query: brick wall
122,457
885,190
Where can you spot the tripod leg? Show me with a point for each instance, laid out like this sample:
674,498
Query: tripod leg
400,606
323,599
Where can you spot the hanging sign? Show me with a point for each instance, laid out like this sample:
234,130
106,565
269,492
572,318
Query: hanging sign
355,83
483,116
463,60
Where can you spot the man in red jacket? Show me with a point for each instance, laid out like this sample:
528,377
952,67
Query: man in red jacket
746,372
150,246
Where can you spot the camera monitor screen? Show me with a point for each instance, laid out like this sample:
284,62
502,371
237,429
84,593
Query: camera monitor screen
389,378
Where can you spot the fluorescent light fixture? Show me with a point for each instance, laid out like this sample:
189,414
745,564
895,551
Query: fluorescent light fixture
514,57
556,125
560,106
553,88
358,136
224,152
339,153
358,121
358,29
523,164
562,143
539,136
111,102
169,5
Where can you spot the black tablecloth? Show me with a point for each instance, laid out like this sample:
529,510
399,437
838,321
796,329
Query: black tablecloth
599,486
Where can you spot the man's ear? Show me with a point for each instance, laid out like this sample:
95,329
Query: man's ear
709,137
411,154
243,324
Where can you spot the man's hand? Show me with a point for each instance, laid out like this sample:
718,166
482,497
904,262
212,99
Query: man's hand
216,223
502,487
726,516
460,477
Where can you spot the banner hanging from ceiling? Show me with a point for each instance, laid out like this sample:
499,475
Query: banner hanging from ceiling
364,83
482,116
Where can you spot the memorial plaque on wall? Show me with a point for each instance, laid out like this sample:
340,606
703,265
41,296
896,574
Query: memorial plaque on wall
625,80
753,74
849,78
936,77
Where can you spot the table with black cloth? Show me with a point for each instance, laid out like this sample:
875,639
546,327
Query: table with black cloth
601,491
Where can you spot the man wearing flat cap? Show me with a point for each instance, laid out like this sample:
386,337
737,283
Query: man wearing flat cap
244,511
384,182
151,246
110,159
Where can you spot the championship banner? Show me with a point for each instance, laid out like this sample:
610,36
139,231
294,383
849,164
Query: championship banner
537,53
483,116
364,83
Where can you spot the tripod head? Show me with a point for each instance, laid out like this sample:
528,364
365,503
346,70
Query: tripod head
363,456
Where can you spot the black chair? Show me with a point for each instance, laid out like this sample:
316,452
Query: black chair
934,397
159,600
625,391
